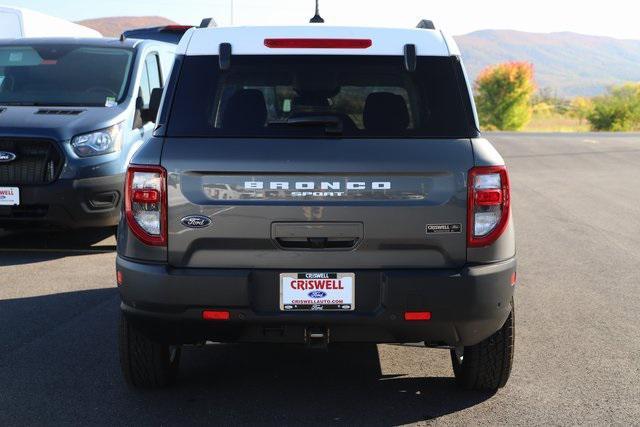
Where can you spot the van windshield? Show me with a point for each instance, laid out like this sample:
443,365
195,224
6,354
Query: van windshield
321,96
63,75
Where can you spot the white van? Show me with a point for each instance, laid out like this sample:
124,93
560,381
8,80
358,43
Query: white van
17,22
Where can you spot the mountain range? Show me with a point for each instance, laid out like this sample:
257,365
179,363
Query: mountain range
567,64
116,25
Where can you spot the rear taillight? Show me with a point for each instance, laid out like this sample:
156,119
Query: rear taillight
146,203
489,204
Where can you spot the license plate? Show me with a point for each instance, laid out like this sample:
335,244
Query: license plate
9,196
317,291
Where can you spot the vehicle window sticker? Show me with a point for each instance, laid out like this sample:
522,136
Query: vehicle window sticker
15,57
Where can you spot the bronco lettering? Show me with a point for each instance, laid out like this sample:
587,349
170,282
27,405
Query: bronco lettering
310,186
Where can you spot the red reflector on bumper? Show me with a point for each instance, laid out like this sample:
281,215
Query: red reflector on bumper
215,315
119,278
417,315
514,278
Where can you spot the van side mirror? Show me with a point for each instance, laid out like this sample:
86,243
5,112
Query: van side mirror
150,114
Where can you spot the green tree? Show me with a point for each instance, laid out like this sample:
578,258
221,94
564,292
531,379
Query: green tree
618,110
503,95
580,108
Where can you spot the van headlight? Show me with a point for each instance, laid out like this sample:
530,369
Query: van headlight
100,142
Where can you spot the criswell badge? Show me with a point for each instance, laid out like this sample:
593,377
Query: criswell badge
444,228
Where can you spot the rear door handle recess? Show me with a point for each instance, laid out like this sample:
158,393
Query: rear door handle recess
317,236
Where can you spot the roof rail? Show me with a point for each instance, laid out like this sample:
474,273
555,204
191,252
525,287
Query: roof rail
208,23
426,24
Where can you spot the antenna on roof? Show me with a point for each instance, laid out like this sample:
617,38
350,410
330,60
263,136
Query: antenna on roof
317,19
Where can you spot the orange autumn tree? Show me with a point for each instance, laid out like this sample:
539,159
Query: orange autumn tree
503,95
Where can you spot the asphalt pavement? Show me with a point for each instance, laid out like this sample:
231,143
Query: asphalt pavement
577,361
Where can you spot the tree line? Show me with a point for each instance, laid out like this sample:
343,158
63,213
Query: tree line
506,98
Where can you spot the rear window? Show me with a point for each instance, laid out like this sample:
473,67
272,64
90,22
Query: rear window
321,96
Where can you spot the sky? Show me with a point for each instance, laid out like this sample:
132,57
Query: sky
613,18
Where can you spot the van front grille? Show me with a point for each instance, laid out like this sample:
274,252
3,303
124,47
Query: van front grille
37,161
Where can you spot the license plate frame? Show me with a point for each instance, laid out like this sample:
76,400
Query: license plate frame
335,292
9,196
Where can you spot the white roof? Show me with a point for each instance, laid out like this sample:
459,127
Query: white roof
251,40
29,23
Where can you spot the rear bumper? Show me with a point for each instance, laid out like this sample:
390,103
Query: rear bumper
467,305
68,203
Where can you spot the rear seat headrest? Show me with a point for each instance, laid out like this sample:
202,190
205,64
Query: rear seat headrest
385,112
246,109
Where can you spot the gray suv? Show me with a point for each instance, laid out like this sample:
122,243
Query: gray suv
317,185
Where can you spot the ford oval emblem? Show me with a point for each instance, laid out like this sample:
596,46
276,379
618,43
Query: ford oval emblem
317,294
7,156
196,221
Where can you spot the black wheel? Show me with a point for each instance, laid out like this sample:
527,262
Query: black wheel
487,365
144,362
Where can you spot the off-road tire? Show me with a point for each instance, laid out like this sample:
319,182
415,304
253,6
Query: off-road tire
144,362
487,365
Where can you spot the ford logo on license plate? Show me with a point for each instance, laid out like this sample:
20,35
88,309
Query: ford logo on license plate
196,221
317,294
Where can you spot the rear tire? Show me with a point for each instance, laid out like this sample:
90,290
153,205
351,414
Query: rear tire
146,363
487,365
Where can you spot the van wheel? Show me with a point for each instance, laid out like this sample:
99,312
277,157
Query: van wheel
487,365
144,362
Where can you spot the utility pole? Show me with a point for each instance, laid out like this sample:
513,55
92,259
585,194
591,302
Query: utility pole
317,19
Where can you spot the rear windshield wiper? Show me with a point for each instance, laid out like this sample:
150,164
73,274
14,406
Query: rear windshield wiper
332,124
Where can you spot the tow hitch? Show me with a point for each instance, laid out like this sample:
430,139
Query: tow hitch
317,338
